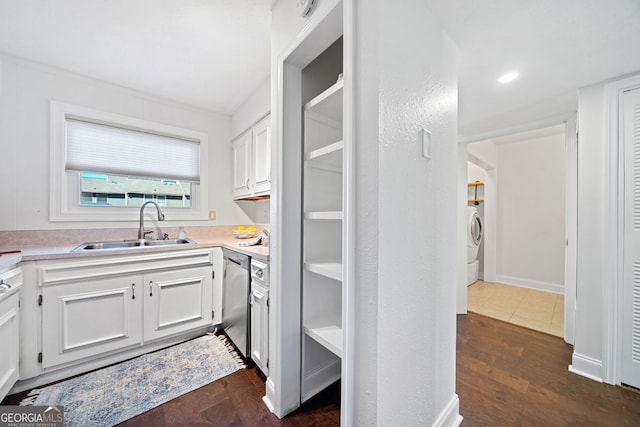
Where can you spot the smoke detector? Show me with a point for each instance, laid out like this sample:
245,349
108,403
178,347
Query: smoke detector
305,7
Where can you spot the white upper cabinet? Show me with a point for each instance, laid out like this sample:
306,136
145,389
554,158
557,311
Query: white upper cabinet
242,165
252,161
262,157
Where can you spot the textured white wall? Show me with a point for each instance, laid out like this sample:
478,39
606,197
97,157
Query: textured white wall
531,213
415,245
24,138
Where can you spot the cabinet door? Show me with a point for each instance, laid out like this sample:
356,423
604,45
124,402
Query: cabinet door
242,165
260,327
262,157
10,345
177,301
89,318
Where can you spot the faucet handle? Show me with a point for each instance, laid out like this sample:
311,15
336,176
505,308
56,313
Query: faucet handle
147,232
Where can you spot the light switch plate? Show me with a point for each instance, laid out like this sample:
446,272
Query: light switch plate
426,144
212,215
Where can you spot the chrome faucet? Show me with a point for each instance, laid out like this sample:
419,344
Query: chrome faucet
141,230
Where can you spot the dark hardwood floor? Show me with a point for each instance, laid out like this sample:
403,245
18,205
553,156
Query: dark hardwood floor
506,376
236,400
511,376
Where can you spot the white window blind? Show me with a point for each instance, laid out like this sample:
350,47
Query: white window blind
94,147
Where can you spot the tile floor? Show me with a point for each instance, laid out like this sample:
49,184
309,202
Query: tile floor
542,311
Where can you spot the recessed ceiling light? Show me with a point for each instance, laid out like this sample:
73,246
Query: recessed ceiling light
508,77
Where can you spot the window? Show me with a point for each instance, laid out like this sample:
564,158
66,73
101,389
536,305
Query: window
111,190
105,166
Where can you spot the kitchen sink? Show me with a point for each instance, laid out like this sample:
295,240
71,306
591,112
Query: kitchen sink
127,244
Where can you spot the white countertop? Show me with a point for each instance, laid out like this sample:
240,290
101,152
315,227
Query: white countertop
54,252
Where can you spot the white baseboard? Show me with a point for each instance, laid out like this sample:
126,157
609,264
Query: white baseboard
269,396
450,415
531,284
586,366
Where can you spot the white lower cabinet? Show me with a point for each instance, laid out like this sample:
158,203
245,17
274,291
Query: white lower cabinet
94,307
9,329
90,317
260,315
260,327
176,301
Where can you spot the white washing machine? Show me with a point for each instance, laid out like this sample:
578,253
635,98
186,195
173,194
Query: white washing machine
474,238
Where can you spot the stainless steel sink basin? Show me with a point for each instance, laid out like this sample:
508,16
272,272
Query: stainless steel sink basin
127,244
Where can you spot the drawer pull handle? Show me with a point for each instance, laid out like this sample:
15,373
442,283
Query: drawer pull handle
150,288
133,291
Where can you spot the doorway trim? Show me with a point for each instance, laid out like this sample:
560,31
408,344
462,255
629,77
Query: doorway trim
571,227
614,238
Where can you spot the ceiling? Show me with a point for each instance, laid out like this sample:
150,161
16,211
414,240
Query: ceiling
207,53
214,53
557,47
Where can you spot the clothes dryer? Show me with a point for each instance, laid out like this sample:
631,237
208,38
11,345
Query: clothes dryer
475,231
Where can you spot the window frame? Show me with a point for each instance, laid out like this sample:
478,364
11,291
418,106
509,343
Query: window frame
64,187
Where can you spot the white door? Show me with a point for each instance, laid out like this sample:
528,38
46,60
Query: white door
630,366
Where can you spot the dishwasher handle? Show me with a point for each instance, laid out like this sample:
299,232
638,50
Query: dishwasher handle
233,261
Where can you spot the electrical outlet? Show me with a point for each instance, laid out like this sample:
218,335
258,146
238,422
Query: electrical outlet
212,215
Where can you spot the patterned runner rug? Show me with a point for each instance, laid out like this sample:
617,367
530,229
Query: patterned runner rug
114,394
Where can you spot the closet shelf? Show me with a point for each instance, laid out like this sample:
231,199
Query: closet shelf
326,150
328,158
328,104
332,270
329,336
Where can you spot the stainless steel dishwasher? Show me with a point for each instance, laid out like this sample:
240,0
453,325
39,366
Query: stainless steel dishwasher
235,299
